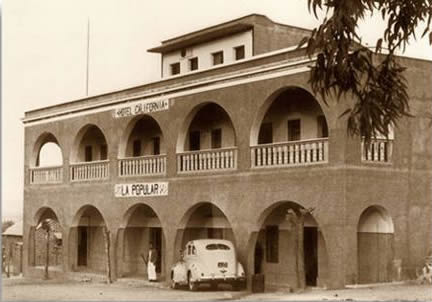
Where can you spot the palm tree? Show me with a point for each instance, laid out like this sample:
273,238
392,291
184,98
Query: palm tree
107,233
48,226
296,219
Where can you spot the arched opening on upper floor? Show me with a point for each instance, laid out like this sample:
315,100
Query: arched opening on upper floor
87,241
207,140
143,137
286,250
141,229
89,145
290,128
46,152
375,244
208,126
89,155
142,149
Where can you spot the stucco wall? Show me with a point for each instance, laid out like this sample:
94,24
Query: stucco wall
339,190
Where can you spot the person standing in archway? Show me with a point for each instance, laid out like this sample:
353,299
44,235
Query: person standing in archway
150,261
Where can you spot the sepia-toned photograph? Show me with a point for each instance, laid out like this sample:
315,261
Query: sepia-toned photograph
216,150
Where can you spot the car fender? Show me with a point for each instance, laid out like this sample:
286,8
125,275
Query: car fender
240,270
179,272
195,269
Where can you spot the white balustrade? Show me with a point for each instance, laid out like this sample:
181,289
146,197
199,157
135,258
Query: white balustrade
142,165
46,175
293,153
94,170
207,160
379,150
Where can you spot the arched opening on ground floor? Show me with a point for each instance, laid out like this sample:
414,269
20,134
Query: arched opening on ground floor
288,255
45,241
203,221
141,228
88,241
375,245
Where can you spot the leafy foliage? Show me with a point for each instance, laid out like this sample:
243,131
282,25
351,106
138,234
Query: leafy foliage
47,225
345,67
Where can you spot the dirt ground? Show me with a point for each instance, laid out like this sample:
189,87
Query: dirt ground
21,289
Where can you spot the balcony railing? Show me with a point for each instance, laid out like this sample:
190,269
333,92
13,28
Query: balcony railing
46,175
290,153
207,160
95,170
379,150
143,165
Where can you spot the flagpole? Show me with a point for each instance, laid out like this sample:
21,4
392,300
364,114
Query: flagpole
88,54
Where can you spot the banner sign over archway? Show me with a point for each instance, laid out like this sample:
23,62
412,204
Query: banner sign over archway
141,189
141,107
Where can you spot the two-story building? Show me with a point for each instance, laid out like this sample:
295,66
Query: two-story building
228,141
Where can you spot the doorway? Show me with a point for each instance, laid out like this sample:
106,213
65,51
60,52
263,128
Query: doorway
375,244
258,258
82,245
156,239
310,244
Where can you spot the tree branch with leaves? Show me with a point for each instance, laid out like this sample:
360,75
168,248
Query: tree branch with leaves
344,66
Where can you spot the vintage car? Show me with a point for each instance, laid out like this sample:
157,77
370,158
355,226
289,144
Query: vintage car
208,261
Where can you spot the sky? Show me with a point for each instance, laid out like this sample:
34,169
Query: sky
44,52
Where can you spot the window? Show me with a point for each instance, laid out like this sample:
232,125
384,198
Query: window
194,141
156,145
88,153
213,233
272,243
322,126
239,52
193,64
266,134
136,148
103,152
175,68
217,246
216,138
294,130
218,58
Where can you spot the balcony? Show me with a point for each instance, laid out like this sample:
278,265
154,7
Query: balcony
379,151
223,159
142,165
46,175
87,171
293,153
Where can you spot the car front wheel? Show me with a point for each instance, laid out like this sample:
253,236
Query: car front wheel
174,285
192,285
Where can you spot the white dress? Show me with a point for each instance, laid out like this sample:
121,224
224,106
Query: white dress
151,268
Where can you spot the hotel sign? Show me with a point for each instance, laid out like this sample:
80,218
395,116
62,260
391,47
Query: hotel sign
141,189
141,107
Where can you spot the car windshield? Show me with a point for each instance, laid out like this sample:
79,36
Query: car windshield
217,246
